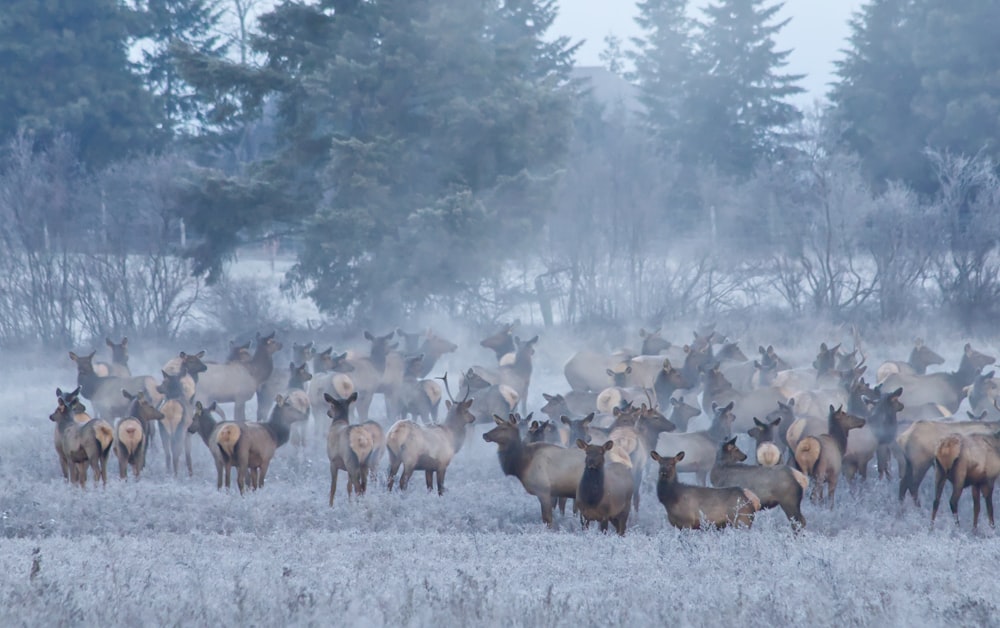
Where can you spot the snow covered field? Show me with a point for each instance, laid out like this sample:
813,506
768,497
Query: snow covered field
176,551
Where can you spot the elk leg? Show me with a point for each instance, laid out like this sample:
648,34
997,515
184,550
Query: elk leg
976,492
939,478
440,480
122,464
240,411
164,440
393,468
561,502
956,494
988,495
905,478
404,478
218,474
187,453
333,481
546,503
831,488
429,476
882,458
918,477
604,526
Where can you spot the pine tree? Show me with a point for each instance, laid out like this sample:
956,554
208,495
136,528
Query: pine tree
665,66
191,25
740,112
64,68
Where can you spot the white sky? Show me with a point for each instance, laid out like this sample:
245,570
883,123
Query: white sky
815,34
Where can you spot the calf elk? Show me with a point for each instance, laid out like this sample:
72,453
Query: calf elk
81,444
132,434
220,438
349,447
259,441
820,457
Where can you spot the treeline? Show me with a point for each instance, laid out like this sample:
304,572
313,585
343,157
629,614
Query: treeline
447,154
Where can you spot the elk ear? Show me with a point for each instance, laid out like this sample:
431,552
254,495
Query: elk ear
675,402
127,395
291,366
729,408
581,444
547,396
610,373
655,456
776,422
214,406
353,397
198,406
368,336
108,342
200,354
757,422
447,404
754,432
327,398
628,369
498,419
897,392
608,445
565,419
832,409
761,350
731,442
587,420
73,356
679,456
971,416
534,425
530,414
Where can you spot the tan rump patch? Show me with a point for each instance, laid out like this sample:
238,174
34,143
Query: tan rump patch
768,455
807,454
361,443
752,498
801,478
433,391
617,454
608,400
948,451
343,385
105,434
130,434
508,359
510,395
229,435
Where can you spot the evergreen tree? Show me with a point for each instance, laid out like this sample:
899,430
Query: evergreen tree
665,67
169,24
64,68
919,74
740,112
422,130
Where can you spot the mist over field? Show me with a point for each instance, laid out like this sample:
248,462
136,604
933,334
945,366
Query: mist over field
800,199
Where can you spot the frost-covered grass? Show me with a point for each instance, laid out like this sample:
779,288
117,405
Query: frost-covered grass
176,551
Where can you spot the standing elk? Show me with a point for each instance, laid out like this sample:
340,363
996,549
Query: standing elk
921,357
502,342
118,367
349,447
237,382
177,415
298,379
773,485
105,392
699,446
132,434
221,438
687,506
259,441
605,488
967,460
81,444
821,457
548,472
429,448
944,389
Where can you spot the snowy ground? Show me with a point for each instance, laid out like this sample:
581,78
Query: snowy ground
176,551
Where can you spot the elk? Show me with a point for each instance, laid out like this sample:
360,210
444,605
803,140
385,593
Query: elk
80,416
682,413
700,446
751,374
118,367
967,460
517,375
105,392
635,432
688,505
298,379
921,357
502,342
605,488
432,349
132,434
773,485
418,398
303,353
236,382
331,375
757,402
581,428
765,434
188,367
548,472
822,374
821,457
982,394
259,441
221,438
81,444
379,372
177,414
349,447
489,398
918,444
944,389
428,448
547,432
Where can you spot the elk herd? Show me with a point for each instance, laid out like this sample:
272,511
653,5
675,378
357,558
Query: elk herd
803,428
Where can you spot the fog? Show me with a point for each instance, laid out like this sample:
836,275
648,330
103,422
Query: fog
683,225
